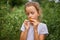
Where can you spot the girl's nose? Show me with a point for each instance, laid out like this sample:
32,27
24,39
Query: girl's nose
30,15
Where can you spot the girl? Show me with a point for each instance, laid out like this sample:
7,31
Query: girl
33,29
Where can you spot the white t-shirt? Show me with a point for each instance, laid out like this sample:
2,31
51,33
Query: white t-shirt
42,29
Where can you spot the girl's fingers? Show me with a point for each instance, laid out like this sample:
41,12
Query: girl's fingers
35,22
26,21
26,24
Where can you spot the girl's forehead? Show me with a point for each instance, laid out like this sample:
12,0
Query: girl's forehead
30,8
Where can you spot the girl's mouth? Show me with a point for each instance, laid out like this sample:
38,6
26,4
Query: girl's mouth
30,19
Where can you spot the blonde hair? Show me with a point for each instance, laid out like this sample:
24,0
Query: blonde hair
37,6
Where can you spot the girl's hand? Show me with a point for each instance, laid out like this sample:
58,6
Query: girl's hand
35,23
26,24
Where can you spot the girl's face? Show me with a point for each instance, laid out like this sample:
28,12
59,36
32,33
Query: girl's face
32,12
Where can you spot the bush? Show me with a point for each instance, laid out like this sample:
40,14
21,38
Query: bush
51,17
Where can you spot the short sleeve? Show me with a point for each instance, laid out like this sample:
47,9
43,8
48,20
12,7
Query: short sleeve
43,29
22,28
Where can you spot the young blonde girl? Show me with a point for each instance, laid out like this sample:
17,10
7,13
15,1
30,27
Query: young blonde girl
33,28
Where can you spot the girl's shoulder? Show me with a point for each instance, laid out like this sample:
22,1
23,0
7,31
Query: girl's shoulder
42,24
42,28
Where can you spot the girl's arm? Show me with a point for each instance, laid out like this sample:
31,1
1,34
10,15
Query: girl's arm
38,37
25,32
23,35
42,37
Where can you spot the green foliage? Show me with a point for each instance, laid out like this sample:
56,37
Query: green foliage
51,17
12,19
16,2
11,23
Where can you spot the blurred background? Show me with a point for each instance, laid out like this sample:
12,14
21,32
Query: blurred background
12,15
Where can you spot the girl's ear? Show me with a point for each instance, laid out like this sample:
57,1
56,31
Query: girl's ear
38,14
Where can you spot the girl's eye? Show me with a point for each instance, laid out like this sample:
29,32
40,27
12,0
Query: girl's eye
32,12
